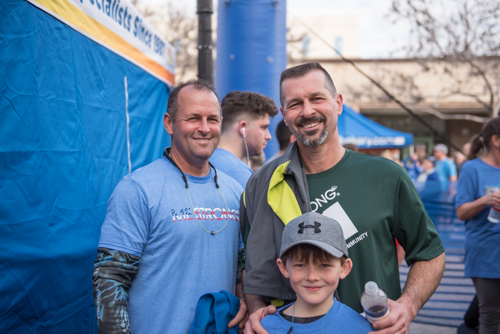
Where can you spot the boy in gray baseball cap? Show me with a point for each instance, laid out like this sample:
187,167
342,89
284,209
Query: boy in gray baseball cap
313,256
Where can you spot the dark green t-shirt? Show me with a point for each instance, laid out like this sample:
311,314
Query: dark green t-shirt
374,201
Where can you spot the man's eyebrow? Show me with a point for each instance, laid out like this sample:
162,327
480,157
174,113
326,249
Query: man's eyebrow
296,99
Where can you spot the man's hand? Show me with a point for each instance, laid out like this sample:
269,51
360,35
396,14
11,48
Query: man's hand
423,279
397,321
241,317
253,324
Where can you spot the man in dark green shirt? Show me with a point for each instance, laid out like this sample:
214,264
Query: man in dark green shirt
372,198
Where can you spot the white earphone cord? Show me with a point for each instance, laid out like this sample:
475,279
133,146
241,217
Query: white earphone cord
246,147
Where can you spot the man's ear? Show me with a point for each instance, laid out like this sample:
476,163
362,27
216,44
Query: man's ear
346,269
292,138
495,141
242,125
168,123
340,104
283,114
282,268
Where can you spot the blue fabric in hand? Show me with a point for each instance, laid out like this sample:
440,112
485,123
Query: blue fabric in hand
214,311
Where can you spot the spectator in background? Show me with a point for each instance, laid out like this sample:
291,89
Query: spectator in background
245,123
428,183
428,172
284,137
257,161
460,159
478,192
412,165
466,149
444,166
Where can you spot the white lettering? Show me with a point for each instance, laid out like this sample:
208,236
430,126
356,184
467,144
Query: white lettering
357,239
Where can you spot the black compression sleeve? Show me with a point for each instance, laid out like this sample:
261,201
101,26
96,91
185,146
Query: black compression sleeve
114,272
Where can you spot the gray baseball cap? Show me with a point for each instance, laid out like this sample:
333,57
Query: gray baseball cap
441,148
315,229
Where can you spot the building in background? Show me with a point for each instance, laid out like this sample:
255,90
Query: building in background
426,88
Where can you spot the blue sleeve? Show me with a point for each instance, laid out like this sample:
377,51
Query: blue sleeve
126,226
466,187
453,168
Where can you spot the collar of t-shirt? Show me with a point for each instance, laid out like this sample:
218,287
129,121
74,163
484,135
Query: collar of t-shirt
299,320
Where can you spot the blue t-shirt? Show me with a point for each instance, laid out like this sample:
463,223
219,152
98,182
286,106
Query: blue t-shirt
149,215
228,163
412,167
445,169
340,319
482,237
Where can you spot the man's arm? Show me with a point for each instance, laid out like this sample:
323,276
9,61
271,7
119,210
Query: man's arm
257,310
242,316
254,302
114,272
423,279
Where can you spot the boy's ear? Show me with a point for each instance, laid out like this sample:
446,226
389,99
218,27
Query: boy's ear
282,268
346,268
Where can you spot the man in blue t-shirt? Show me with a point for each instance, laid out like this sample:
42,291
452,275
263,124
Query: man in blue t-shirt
445,168
171,232
244,133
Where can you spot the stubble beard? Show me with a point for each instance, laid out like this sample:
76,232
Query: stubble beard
304,137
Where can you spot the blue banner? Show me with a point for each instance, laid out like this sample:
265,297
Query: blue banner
69,124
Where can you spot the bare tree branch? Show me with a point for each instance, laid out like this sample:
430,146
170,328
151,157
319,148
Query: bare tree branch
451,33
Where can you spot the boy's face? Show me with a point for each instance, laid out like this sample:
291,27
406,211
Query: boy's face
315,282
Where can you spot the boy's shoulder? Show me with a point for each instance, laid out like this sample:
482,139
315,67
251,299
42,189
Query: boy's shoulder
349,321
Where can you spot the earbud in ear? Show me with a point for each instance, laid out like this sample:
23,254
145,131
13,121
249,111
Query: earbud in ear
243,131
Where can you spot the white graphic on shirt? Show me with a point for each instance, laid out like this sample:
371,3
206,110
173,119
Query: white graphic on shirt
329,195
205,214
357,239
337,212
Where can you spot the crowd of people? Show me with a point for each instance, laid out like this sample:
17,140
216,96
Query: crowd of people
198,242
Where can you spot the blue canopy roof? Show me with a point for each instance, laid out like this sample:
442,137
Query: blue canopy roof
357,129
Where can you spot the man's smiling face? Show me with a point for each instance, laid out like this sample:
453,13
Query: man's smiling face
196,128
310,110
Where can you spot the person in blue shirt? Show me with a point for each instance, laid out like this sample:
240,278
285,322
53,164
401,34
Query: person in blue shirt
478,195
313,257
245,123
171,232
445,167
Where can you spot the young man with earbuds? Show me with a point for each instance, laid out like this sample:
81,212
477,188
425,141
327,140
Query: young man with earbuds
245,132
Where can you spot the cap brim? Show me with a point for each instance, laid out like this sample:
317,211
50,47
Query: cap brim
324,246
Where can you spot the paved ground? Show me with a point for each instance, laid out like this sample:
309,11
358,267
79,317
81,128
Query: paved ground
416,328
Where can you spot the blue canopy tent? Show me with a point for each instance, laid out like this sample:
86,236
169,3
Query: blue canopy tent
81,104
355,128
